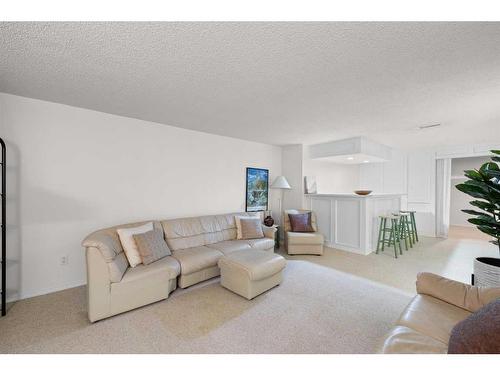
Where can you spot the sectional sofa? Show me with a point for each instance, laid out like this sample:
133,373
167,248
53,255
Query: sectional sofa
197,244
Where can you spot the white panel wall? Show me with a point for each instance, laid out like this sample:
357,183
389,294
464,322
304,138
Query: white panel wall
72,171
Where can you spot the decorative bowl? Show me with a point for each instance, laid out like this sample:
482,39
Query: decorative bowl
362,192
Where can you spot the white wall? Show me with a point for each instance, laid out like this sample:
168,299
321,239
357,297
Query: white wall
459,200
333,177
72,171
292,168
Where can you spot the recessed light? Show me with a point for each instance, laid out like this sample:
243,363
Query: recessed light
350,158
366,161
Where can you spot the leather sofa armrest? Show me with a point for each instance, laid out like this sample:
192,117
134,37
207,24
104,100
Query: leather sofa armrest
107,245
467,297
269,231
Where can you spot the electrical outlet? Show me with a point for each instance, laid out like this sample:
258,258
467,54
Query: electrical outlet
64,260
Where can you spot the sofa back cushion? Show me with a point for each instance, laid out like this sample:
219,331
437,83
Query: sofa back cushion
191,232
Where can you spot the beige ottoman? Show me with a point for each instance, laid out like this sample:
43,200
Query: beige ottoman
251,272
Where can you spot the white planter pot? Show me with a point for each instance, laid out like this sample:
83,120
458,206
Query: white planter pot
487,272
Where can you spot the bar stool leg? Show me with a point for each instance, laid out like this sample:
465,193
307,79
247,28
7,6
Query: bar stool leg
414,225
379,234
383,233
410,234
404,232
393,236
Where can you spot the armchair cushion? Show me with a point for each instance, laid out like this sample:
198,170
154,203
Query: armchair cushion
301,222
300,238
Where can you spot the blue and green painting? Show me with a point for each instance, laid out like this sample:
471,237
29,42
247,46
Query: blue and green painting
257,189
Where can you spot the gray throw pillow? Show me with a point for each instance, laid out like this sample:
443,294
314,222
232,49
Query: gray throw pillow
479,333
251,228
152,246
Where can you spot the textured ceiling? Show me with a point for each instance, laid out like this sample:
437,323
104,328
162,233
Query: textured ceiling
277,83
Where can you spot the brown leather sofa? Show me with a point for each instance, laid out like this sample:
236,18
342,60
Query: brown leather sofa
197,244
426,323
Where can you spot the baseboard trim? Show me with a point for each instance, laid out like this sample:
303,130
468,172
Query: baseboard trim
45,291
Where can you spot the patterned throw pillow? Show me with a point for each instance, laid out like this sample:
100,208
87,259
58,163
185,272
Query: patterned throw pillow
152,246
301,222
251,228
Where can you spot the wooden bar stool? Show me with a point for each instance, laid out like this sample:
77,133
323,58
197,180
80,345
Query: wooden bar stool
413,225
404,229
392,230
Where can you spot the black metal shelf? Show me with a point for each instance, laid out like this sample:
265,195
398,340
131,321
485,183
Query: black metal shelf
3,225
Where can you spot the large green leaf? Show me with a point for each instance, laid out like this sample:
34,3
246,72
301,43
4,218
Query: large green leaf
489,167
495,158
473,212
488,230
473,175
473,191
487,206
495,152
482,223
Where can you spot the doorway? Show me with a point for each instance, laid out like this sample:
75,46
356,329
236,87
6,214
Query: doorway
450,220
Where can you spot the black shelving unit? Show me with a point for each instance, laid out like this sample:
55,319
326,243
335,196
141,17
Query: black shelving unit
4,227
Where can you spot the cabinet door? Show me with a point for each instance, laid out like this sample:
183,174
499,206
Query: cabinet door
421,170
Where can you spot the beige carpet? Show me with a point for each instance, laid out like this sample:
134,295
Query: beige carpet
452,257
315,310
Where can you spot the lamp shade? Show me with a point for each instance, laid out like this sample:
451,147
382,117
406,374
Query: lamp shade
280,182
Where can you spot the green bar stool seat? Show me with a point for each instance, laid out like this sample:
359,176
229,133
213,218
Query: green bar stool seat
388,234
413,225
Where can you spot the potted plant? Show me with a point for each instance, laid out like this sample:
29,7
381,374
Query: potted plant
484,184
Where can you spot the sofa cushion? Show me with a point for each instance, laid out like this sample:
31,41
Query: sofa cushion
300,238
404,340
479,333
432,317
128,242
226,247
255,264
167,265
117,267
237,221
251,228
152,246
261,243
196,258
200,231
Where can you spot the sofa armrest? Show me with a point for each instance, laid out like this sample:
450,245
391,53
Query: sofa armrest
108,245
467,297
269,231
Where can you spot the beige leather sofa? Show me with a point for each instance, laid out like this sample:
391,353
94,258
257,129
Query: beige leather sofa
197,244
302,243
426,323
